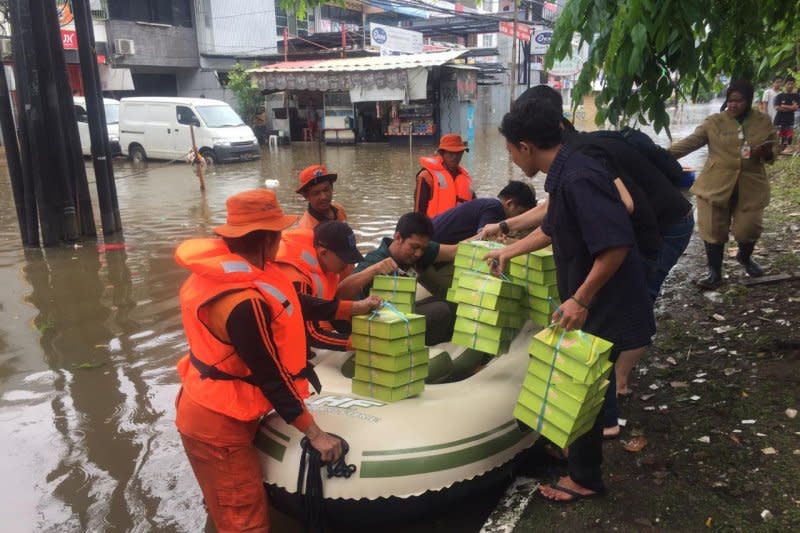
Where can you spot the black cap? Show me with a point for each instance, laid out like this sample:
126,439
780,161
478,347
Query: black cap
338,238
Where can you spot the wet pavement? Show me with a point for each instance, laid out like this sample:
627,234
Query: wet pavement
89,336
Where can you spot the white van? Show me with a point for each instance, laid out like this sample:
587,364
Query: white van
158,128
112,124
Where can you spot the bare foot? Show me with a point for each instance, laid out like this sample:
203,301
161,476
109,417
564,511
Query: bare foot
611,432
556,494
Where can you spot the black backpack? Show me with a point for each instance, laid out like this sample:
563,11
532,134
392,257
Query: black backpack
662,159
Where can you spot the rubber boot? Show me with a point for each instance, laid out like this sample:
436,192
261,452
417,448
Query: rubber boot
744,257
714,278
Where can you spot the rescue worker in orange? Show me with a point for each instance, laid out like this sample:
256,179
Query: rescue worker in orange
443,183
314,261
247,356
316,186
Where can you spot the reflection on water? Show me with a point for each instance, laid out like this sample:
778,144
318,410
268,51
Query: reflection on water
89,339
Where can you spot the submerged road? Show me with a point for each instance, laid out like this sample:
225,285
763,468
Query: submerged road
89,337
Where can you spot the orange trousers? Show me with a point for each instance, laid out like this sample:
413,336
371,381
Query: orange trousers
221,452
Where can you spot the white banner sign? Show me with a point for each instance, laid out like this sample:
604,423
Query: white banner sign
395,39
541,40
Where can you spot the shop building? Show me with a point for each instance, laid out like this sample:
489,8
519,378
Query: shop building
399,99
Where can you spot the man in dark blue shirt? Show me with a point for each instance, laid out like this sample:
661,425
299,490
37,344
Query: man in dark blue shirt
467,219
600,277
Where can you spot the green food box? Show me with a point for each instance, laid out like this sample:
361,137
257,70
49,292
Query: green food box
388,347
477,249
487,331
539,260
487,301
392,363
565,422
479,343
391,379
387,324
395,283
398,297
540,319
549,430
564,382
540,277
451,295
559,398
579,354
540,291
489,284
502,319
388,394
542,305
467,263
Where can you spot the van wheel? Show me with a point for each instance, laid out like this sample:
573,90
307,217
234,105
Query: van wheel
137,154
209,155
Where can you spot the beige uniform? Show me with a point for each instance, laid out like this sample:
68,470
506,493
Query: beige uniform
729,187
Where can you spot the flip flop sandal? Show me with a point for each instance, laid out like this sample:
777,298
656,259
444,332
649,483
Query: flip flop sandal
576,496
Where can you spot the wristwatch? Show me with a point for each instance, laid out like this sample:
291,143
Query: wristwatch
504,227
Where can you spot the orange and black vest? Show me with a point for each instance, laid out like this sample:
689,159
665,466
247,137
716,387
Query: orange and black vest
309,221
446,191
297,249
212,374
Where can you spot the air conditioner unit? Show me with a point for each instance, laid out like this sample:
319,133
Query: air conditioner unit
5,47
124,47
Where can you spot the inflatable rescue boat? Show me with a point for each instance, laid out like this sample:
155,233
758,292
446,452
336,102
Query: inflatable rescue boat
431,448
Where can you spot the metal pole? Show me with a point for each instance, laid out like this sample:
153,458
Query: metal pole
514,55
12,156
29,93
63,130
101,155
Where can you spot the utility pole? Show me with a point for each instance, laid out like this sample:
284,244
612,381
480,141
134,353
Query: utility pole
95,110
514,56
29,235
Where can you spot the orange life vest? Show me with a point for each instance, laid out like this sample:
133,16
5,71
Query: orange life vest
212,374
446,191
309,222
297,249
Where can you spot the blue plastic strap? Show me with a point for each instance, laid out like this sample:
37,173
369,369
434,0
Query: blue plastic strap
540,421
404,318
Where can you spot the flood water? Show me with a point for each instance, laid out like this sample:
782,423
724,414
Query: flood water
89,339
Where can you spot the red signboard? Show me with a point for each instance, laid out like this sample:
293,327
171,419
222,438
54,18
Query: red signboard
523,30
69,40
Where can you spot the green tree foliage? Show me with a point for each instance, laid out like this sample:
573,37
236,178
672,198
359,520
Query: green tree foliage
249,100
648,51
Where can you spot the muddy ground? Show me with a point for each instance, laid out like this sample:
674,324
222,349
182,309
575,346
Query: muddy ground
711,400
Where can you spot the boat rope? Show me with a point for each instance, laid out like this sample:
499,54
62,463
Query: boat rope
309,482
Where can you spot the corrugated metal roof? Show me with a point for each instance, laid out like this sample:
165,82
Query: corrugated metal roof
356,64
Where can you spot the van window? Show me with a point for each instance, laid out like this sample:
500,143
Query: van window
80,112
219,116
186,116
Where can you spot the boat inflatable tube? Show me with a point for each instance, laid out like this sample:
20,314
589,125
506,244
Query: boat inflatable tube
447,436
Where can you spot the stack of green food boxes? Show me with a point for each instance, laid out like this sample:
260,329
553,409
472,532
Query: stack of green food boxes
488,314
566,382
469,258
391,356
536,272
400,291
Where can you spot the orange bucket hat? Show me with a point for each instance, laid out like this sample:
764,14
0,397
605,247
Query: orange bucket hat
254,210
314,175
452,143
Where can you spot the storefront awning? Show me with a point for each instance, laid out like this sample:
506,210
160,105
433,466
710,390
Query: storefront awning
359,75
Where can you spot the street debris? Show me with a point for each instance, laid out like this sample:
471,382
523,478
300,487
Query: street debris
791,413
748,422
636,444
766,515
769,451
718,317
705,439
